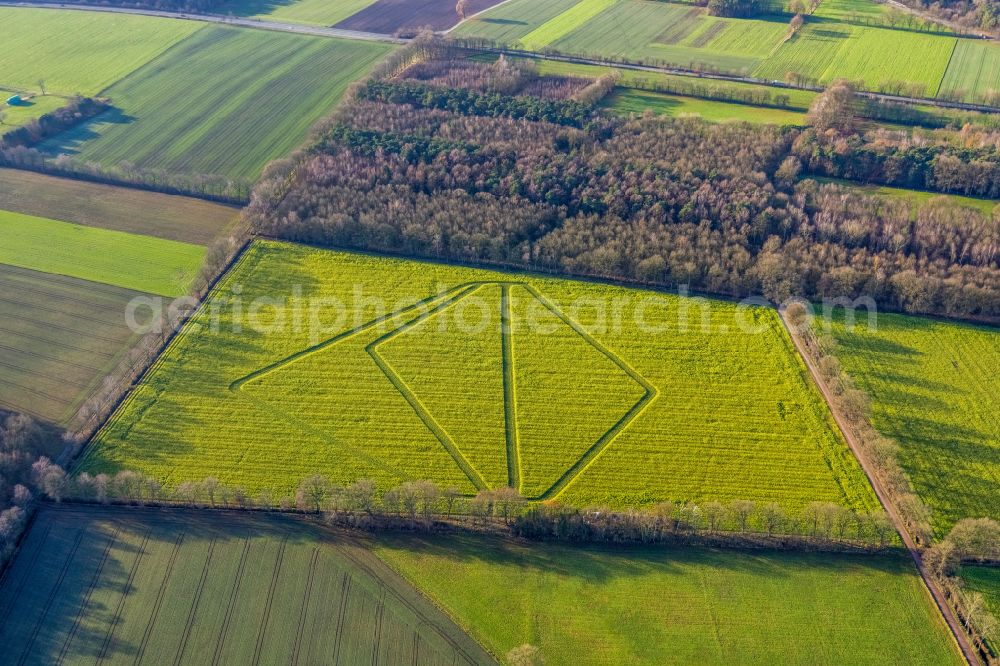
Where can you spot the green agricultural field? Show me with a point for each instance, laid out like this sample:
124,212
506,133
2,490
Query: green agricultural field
32,107
850,10
660,606
753,38
61,336
809,53
625,29
563,407
565,23
974,71
158,586
872,55
635,29
509,22
799,99
306,12
917,198
130,261
933,386
78,51
638,101
117,208
224,102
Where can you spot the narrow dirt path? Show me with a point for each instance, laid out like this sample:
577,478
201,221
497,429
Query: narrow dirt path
852,440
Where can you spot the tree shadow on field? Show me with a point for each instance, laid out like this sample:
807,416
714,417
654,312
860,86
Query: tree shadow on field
253,7
502,21
67,594
598,564
72,141
188,392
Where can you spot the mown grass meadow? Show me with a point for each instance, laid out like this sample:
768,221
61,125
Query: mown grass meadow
129,210
638,101
657,606
699,416
130,261
92,51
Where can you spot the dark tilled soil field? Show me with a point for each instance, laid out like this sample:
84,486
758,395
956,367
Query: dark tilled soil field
390,16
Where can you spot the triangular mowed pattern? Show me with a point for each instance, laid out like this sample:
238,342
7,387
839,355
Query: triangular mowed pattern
344,404
570,393
488,380
452,364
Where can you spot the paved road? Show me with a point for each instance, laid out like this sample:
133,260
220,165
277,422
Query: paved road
218,18
949,616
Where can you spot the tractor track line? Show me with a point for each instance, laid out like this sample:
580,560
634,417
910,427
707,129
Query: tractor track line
265,619
304,611
86,597
51,598
158,604
345,593
109,637
393,376
24,580
511,431
220,642
598,447
189,625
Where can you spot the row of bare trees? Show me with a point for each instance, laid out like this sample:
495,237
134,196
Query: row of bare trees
972,540
423,504
25,472
879,450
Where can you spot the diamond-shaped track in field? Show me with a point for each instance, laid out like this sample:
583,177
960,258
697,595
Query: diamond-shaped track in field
519,400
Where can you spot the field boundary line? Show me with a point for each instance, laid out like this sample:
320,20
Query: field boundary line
511,430
944,73
159,600
86,598
230,607
422,619
598,447
182,646
304,611
932,588
266,617
26,652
